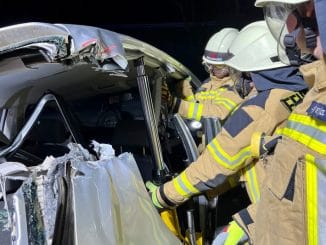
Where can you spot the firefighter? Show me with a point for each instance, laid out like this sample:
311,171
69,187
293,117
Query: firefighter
216,97
215,54
292,208
230,151
253,175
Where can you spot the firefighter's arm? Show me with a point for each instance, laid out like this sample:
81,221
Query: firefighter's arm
263,144
189,110
224,156
184,90
220,106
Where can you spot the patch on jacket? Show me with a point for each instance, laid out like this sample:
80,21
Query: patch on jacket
293,100
237,122
317,110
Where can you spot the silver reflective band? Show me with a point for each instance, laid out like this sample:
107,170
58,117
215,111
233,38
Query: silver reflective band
308,130
215,56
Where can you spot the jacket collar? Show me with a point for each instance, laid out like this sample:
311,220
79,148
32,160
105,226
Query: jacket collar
221,81
315,73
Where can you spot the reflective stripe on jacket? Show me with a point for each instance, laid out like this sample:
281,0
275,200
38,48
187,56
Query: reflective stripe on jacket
220,105
293,197
184,89
230,151
253,175
292,208
217,100
252,186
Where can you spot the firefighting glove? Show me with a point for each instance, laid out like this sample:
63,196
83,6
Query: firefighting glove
231,235
184,89
152,188
167,99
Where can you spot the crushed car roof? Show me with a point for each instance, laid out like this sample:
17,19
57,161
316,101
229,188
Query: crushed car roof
39,56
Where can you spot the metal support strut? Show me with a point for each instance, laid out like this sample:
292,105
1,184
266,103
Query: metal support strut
151,124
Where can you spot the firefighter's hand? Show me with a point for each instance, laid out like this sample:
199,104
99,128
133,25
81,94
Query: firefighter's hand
152,188
184,89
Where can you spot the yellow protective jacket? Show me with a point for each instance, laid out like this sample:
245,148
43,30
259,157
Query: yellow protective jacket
217,99
292,208
230,151
207,90
253,175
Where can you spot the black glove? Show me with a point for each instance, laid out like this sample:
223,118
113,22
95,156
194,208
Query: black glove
243,86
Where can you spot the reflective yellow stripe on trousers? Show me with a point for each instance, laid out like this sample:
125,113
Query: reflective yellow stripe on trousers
312,133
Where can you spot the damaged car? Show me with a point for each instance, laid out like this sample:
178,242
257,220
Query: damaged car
82,127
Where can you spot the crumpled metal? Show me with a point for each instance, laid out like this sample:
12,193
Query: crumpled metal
108,197
112,206
98,45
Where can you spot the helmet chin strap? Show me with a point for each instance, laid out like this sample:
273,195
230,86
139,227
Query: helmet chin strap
291,48
310,27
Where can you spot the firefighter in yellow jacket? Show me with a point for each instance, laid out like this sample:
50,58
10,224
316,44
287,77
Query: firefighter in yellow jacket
292,208
230,151
217,97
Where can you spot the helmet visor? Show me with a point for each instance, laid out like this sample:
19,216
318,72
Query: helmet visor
283,19
279,19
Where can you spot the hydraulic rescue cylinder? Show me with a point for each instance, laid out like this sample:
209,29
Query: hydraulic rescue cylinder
169,217
151,124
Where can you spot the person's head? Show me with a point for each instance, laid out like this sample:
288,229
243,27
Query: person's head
298,25
216,52
254,49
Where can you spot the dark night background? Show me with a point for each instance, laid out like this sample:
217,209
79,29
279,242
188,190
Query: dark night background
179,27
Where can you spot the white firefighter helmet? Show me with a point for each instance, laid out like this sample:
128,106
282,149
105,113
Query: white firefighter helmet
254,49
216,50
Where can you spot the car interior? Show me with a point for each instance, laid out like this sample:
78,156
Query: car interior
53,104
